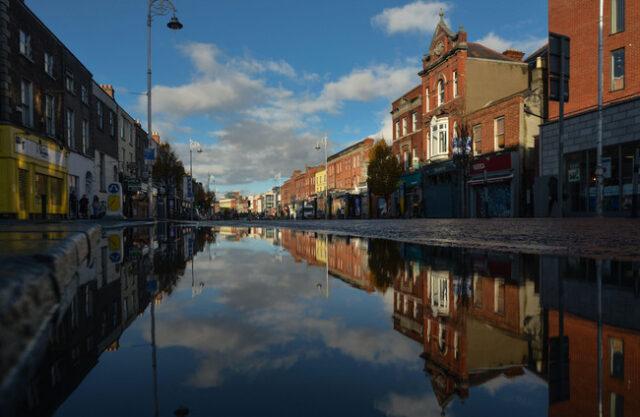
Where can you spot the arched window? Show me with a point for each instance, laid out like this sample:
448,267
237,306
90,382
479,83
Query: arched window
440,92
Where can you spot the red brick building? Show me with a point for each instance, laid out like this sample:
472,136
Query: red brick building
408,136
458,79
578,19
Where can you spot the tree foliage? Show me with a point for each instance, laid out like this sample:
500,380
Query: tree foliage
385,262
383,173
168,168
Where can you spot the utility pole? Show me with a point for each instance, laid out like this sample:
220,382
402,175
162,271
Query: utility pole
599,168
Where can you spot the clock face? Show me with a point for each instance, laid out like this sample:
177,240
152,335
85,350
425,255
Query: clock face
437,51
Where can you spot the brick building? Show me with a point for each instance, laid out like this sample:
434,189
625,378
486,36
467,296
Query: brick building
105,138
347,180
621,113
409,146
458,79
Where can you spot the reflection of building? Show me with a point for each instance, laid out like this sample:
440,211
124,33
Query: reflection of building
570,295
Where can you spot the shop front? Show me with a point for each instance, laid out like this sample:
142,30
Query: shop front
620,186
493,185
33,176
441,190
410,195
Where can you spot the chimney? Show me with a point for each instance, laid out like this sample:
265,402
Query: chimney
462,35
156,137
514,54
108,88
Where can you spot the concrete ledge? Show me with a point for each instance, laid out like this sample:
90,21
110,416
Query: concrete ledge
37,265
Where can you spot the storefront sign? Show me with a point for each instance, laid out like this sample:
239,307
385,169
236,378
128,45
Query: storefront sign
114,200
491,163
115,246
39,150
150,154
574,173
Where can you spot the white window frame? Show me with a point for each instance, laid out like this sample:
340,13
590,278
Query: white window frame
439,285
495,133
25,44
441,92
50,115
439,134
613,69
85,136
405,126
48,64
70,127
455,84
397,129
84,94
100,113
426,95
26,102
414,121
69,82
477,144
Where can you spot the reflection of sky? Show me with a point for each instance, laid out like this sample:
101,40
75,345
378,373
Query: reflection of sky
262,339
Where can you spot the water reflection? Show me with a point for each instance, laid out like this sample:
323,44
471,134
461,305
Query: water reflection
344,325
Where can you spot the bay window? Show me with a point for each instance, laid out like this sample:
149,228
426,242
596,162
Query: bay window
439,137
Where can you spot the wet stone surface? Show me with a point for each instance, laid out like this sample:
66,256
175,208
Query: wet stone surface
265,321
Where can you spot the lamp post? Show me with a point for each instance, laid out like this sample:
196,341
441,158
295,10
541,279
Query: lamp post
323,143
462,154
193,145
156,8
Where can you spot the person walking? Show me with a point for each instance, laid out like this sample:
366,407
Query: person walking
95,206
84,207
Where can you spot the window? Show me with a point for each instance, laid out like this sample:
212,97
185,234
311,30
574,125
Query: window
405,126
85,137
477,139
84,94
112,125
616,358
50,115
498,131
69,83
617,69
439,281
440,92
414,122
426,99
439,137
455,84
100,113
70,125
48,63
617,16
616,405
25,44
498,296
23,187
121,128
26,97
103,178
397,130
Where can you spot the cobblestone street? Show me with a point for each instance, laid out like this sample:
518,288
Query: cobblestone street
607,238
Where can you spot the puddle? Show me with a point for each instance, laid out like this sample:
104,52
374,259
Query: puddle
258,321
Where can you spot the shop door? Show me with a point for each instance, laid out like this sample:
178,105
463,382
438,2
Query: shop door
439,200
494,200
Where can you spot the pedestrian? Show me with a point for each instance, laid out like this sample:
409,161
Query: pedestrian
84,206
95,206
73,205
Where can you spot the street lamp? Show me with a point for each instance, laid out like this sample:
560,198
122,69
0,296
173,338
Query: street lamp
323,143
156,8
193,145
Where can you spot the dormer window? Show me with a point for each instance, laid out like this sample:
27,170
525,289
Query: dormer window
440,92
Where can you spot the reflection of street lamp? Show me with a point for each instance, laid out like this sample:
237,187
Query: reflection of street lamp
156,8
462,154
323,143
193,145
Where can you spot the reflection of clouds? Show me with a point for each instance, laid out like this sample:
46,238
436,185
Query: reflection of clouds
265,307
396,405
526,382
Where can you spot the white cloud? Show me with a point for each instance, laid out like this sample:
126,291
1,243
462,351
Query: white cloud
419,16
396,405
500,44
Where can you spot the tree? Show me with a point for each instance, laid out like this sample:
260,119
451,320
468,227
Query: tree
168,168
385,262
383,173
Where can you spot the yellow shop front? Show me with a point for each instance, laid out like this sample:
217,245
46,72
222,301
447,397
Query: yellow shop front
33,176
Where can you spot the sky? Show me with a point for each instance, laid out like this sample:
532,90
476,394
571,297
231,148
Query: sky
258,83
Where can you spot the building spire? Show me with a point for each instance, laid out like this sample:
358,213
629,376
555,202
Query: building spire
441,14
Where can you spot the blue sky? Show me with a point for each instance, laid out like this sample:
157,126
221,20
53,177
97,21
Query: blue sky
258,82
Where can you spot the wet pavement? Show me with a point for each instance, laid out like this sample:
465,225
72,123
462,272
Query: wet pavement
261,321
608,238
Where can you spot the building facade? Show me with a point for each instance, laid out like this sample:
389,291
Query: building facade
33,142
621,112
105,110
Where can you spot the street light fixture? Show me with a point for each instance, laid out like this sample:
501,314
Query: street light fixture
193,146
319,145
